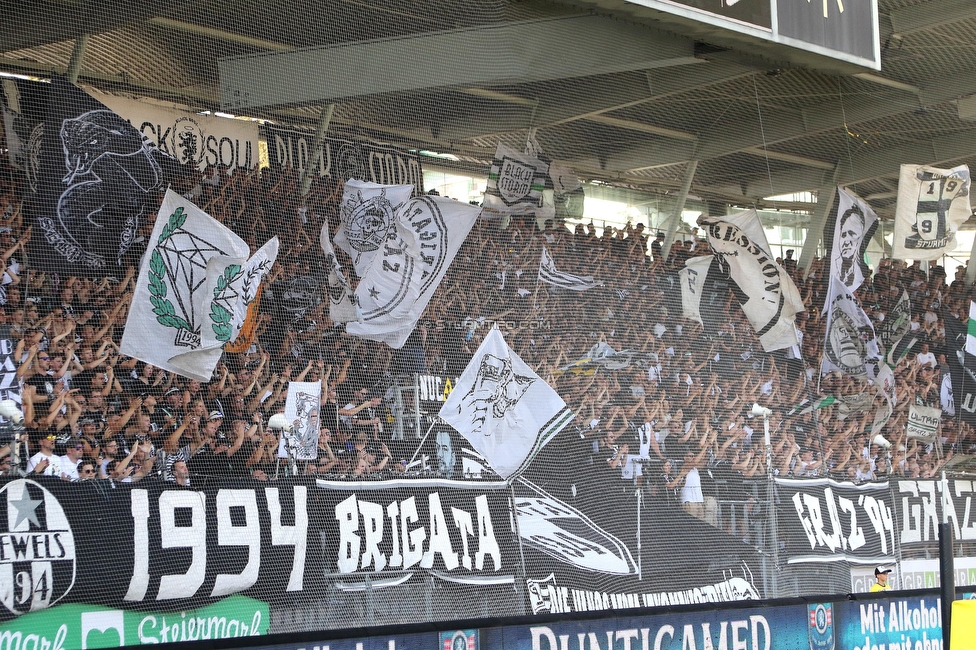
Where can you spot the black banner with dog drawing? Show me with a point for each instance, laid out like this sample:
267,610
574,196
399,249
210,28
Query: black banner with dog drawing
97,180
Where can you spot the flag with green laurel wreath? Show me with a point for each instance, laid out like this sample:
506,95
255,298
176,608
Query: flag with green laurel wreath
171,310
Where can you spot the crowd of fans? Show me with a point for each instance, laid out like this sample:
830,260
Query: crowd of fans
673,418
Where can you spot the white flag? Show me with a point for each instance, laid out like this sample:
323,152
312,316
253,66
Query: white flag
505,410
692,281
771,299
231,287
302,412
550,275
343,303
932,204
401,280
923,423
167,312
850,344
853,228
368,215
515,183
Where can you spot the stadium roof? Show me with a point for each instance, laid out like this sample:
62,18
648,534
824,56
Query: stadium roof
635,111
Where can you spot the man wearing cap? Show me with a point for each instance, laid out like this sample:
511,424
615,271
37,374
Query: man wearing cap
881,575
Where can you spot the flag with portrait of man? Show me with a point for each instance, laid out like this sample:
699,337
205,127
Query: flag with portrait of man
854,225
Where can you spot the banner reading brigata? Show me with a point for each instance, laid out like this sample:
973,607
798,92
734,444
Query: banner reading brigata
345,159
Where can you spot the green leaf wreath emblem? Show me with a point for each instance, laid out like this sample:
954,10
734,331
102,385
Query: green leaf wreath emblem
162,307
219,314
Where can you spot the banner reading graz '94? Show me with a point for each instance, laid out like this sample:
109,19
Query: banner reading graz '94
161,546
825,520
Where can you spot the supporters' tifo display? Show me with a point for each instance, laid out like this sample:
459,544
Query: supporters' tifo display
224,393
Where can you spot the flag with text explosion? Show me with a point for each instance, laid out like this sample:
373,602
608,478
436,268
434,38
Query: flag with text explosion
850,344
343,303
550,275
167,314
505,410
402,279
766,293
854,226
515,183
932,204
97,179
368,214
693,284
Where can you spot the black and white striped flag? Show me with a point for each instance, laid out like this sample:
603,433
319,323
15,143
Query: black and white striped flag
550,275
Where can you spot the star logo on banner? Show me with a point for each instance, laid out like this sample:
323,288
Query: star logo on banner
26,509
373,293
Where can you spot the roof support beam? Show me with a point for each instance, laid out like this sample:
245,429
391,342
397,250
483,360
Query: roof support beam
520,52
825,199
930,15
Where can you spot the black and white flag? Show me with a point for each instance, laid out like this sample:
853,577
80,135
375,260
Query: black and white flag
765,291
853,229
693,284
343,303
550,275
932,204
368,219
515,183
98,180
505,410
401,280
850,345
893,329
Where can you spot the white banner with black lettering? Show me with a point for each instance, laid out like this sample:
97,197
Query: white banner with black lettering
203,140
854,226
932,205
923,423
766,293
692,283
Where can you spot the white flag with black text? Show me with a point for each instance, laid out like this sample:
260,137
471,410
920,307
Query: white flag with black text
402,279
515,183
692,281
505,410
932,204
766,293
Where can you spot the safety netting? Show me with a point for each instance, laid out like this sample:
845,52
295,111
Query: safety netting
262,376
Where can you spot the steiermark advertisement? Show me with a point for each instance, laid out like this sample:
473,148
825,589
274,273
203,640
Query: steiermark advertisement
79,627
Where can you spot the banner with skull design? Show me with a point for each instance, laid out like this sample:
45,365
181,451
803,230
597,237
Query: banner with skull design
506,411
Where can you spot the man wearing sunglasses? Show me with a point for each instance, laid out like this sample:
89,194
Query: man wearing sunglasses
70,460
44,461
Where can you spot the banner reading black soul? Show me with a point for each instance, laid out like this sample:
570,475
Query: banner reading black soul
344,159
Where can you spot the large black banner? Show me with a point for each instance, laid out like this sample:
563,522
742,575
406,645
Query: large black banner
344,159
96,179
158,544
918,510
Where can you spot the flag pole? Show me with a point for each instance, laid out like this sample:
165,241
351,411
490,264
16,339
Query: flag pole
422,441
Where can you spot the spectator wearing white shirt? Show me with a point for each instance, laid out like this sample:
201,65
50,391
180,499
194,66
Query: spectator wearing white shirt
44,462
69,462
925,358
